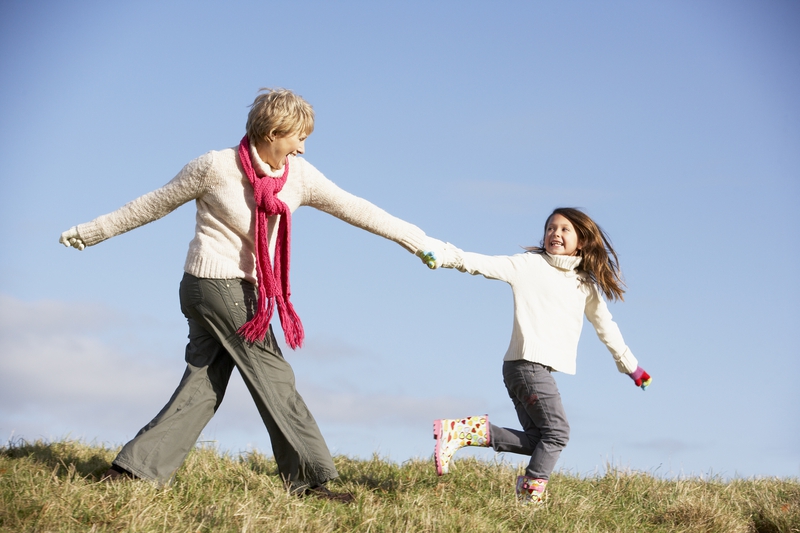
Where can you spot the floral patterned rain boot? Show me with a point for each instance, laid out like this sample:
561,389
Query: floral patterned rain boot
530,490
452,434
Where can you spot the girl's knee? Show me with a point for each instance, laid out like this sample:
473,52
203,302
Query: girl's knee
558,435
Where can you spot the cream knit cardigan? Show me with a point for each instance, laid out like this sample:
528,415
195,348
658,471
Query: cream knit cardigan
223,244
550,300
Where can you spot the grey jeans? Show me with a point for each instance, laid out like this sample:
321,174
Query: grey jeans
215,309
545,430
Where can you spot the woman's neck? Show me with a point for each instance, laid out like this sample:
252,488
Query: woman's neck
269,156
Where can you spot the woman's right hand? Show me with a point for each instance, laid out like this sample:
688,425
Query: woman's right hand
72,238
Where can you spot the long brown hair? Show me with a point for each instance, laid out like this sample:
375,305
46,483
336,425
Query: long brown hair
600,262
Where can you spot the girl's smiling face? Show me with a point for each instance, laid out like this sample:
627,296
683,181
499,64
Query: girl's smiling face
560,237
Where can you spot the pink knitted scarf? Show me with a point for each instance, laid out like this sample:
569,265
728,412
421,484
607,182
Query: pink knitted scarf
273,283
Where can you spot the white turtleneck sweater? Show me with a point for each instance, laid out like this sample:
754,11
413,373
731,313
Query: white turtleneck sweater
223,243
550,300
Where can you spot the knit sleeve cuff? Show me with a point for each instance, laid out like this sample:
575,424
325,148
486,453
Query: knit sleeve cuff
91,233
626,363
414,239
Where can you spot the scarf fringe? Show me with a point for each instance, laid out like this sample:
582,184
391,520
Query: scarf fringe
255,329
291,325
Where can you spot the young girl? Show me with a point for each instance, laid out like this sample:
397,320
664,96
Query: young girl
554,285
236,276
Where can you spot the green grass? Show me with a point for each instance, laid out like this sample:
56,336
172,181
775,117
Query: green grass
51,487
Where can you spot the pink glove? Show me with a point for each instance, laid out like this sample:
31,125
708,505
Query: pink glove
641,378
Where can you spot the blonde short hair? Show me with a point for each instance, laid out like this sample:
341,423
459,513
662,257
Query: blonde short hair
278,113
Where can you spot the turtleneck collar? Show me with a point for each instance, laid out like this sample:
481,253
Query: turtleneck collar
262,168
563,262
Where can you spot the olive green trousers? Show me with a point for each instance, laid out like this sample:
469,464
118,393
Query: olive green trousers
216,309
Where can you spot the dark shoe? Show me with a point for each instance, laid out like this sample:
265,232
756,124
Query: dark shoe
116,473
323,493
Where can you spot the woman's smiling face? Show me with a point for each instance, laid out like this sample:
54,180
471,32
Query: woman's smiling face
560,237
275,152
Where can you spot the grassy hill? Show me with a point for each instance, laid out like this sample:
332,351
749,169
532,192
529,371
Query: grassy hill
51,487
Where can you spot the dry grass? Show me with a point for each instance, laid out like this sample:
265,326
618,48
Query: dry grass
51,487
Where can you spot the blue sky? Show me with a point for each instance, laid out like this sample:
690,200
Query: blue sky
676,125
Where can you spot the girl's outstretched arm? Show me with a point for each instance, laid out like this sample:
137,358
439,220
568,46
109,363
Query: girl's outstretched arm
498,267
607,330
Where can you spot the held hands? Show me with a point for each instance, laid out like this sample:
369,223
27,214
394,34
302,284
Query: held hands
429,258
72,238
435,254
641,378
432,253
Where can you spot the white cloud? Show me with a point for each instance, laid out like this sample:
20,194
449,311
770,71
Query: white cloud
47,316
59,375
90,372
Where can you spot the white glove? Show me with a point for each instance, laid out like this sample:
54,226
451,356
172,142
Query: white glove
72,238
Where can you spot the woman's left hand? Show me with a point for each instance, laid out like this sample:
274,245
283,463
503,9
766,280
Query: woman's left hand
72,238
429,258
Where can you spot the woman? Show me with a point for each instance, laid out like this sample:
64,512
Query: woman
236,275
